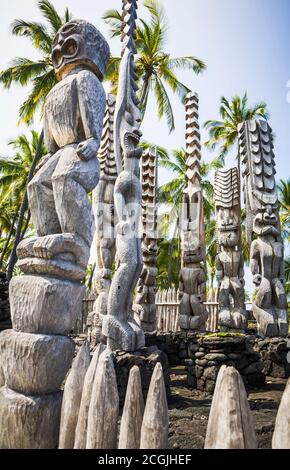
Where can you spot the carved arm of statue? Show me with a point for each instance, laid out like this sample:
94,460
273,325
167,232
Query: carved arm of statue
92,110
181,285
219,269
241,272
254,263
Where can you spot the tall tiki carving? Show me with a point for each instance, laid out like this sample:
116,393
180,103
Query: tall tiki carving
103,204
145,307
192,278
46,300
229,259
119,327
263,228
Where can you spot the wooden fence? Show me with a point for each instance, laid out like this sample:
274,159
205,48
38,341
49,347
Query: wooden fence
168,312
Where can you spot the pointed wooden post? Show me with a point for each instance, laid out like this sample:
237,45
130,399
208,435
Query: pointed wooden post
154,431
230,424
281,436
72,397
132,416
104,406
82,424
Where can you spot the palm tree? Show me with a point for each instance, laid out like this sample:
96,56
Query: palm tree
224,132
284,199
15,173
171,195
38,73
156,69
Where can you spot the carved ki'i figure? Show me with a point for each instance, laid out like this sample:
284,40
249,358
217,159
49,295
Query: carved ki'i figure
73,119
263,228
229,259
192,277
45,302
145,307
119,327
103,206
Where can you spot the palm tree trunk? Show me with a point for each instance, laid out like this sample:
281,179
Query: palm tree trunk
144,91
8,238
26,225
171,254
23,209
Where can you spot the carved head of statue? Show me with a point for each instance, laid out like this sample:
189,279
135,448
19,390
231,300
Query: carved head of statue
79,43
228,226
193,248
266,221
127,118
227,203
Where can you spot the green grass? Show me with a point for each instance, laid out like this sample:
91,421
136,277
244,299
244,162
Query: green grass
223,335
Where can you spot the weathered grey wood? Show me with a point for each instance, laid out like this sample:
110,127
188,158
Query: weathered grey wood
35,364
118,326
192,276
104,406
47,299
131,422
264,227
229,259
82,422
281,436
154,431
72,397
28,422
230,424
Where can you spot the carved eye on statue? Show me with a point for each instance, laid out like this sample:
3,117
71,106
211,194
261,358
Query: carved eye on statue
129,118
70,47
57,57
69,28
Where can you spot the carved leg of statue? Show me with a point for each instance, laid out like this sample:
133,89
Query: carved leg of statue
238,313
263,310
71,181
116,326
281,306
199,314
225,320
129,306
41,199
184,311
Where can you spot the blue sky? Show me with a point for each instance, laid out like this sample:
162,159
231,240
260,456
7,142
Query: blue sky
245,45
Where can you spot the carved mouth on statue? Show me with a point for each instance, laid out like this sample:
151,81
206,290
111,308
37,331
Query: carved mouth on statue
228,228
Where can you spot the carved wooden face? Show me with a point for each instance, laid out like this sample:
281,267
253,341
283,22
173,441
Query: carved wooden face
131,119
266,221
228,226
79,42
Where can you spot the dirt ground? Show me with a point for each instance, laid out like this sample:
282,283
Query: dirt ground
189,410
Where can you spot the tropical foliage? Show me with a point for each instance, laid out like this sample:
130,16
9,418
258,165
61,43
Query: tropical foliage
14,172
37,73
156,69
223,132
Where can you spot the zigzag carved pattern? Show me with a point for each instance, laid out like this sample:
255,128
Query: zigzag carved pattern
227,188
106,151
192,138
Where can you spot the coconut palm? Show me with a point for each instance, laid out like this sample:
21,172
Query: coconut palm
224,132
156,69
38,73
15,173
284,199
